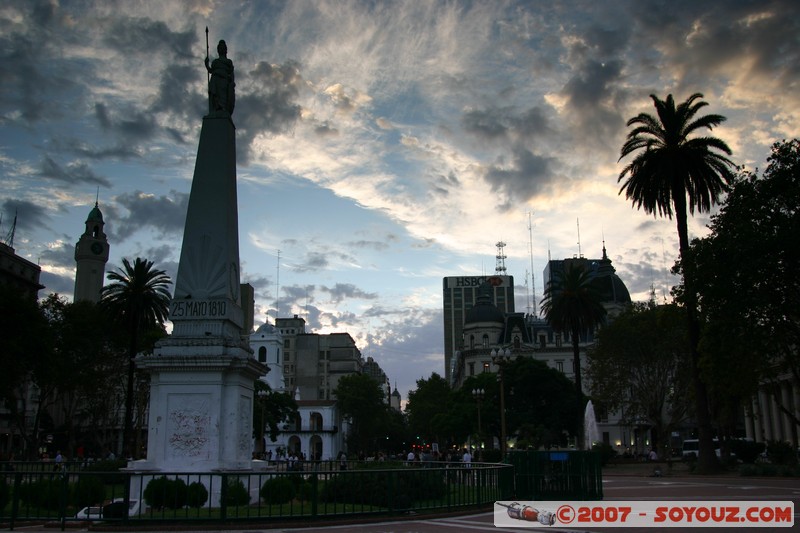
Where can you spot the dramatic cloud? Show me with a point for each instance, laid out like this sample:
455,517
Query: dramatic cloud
29,216
165,214
381,146
74,173
341,291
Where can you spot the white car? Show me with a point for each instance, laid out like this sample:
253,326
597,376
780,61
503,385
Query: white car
95,512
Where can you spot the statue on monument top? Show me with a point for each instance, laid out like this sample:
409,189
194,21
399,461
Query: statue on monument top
221,96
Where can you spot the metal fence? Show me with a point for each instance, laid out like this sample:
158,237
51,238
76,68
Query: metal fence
557,475
315,490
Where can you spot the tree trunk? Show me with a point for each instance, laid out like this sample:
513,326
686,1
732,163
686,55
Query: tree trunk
576,363
707,457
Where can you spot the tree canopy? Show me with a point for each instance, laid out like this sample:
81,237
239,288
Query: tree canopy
747,284
638,367
138,300
573,304
360,400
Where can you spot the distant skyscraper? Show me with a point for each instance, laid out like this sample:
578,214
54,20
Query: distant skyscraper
460,294
91,256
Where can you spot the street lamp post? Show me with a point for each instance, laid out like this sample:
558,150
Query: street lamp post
262,399
478,395
500,358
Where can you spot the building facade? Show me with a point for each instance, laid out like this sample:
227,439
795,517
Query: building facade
460,294
309,366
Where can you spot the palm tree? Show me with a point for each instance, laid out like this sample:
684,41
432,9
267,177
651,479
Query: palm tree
673,174
138,300
572,303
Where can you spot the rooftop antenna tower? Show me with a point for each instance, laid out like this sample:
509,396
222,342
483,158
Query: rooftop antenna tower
527,292
500,268
278,288
530,253
9,240
578,222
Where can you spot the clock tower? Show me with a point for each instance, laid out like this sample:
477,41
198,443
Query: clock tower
91,256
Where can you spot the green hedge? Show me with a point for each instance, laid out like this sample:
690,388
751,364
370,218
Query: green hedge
236,494
394,489
89,490
277,490
164,492
196,495
43,493
5,494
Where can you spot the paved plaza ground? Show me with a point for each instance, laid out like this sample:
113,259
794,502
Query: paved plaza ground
621,485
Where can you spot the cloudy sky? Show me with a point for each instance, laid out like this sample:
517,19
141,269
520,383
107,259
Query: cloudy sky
381,145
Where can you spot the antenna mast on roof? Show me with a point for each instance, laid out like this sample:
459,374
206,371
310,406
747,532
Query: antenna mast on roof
578,222
501,259
530,253
278,288
9,240
527,292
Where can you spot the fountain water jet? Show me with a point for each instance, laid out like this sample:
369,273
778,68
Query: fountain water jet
590,432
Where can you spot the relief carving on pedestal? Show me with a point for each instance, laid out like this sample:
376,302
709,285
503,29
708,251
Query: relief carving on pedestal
188,426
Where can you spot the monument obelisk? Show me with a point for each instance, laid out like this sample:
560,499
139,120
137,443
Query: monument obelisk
202,375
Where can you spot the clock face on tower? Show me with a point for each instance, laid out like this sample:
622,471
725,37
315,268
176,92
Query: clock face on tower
97,248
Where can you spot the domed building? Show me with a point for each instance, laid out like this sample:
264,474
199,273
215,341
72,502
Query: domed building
267,343
488,329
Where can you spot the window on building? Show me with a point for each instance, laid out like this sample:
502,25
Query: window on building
287,343
472,342
486,341
560,366
517,342
278,356
486,366
558,340
542,340
262,354
472,369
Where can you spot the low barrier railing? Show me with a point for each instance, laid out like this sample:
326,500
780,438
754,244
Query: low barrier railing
316,490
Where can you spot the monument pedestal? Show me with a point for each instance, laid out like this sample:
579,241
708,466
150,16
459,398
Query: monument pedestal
201,411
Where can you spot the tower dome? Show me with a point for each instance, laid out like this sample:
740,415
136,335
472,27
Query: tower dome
611,288
95,215
484,310
266,329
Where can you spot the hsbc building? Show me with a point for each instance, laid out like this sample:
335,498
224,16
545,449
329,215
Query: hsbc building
460,294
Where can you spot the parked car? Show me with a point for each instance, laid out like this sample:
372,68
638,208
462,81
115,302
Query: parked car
691,447
111,510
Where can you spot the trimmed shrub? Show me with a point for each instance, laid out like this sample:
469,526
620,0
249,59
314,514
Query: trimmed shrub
164,492
746,451
196,495
605,451
781,453
236,494
277,490
747,470
43,493
374,488
89,490
5,495
305,491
